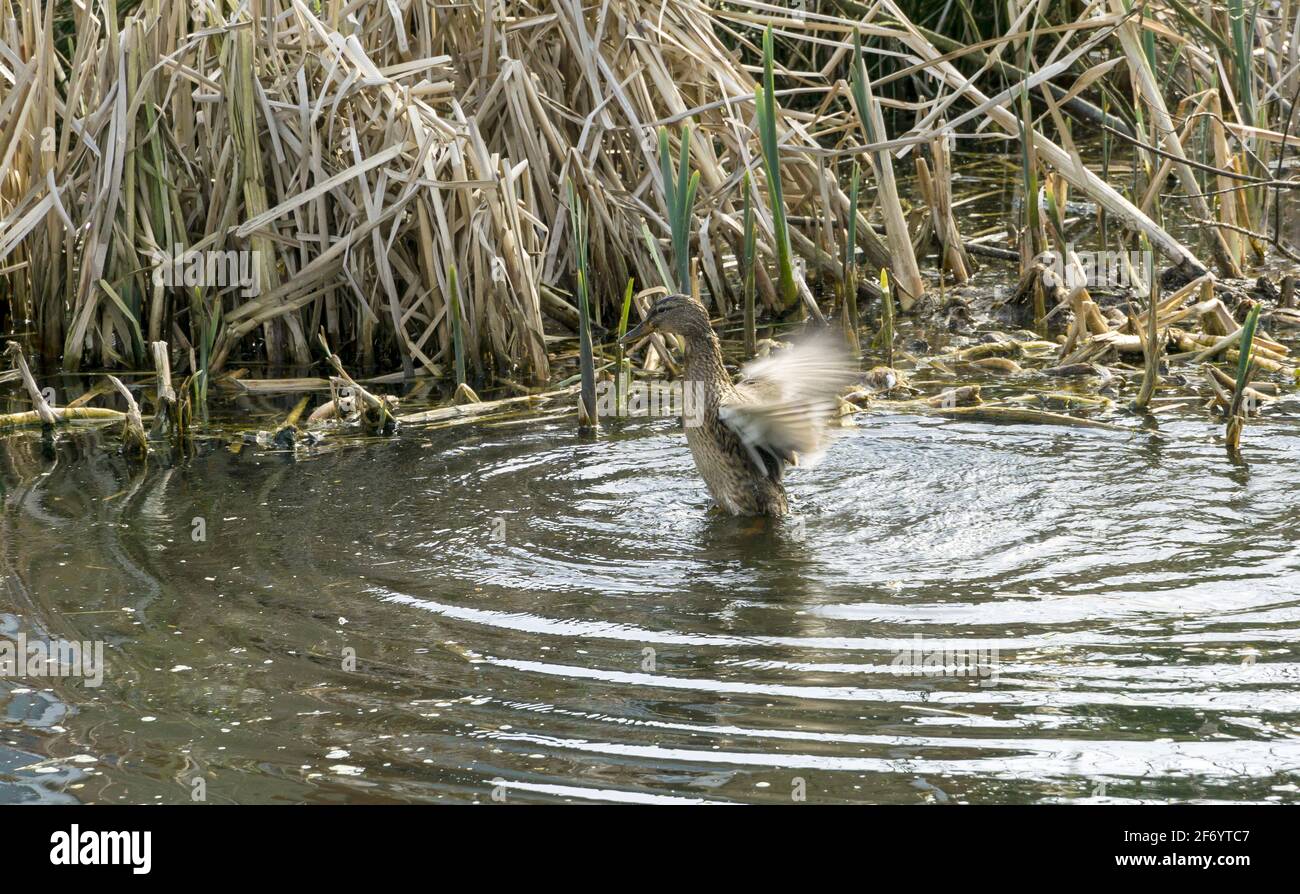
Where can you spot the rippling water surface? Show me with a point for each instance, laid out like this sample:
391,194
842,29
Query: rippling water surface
540,616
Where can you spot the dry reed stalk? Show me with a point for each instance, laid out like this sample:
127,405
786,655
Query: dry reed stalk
169,414
462,411
362,151
936,190
1087,321
1167,311
1227,206
1157,181
1260,355
359,160
1145,85
46,415
1152,344
66,415
1223,386
1069,165
907,276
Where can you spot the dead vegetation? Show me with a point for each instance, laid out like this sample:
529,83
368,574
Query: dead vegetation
225,181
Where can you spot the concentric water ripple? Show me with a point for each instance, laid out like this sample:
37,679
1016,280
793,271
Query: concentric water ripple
524,614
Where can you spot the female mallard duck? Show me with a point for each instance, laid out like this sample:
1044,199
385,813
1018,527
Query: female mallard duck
745,434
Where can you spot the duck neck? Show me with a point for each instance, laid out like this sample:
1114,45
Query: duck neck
704,359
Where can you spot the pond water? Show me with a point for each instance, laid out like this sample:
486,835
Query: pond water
516,612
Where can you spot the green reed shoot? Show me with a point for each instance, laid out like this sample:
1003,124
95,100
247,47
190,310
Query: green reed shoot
885,337
851,260
1149,47
131,315
619,372
1029,175
1195,23
679,196
1244,370
1242,27
586,363
765,103
653,247
858,85
1056,220
747,272
205,326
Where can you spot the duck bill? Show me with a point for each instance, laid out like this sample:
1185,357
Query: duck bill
638,332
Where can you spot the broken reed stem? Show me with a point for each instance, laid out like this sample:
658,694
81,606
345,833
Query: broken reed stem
286,434
1219,346
1040,303
44,411
291,421
1224,385
1222,396
1245,370
66,415
1266,358
162,365
936,190
376,412
134,440
168,414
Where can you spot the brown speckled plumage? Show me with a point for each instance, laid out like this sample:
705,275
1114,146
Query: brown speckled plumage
748,432
732,477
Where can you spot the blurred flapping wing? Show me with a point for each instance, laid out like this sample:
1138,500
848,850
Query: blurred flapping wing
782,403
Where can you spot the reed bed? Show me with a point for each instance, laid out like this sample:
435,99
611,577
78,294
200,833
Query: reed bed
443,189
361,152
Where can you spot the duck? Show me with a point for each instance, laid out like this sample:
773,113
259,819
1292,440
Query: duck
744,435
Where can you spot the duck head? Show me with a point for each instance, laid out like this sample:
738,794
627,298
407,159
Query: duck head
675,315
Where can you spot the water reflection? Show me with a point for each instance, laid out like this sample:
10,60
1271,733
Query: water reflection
429,617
